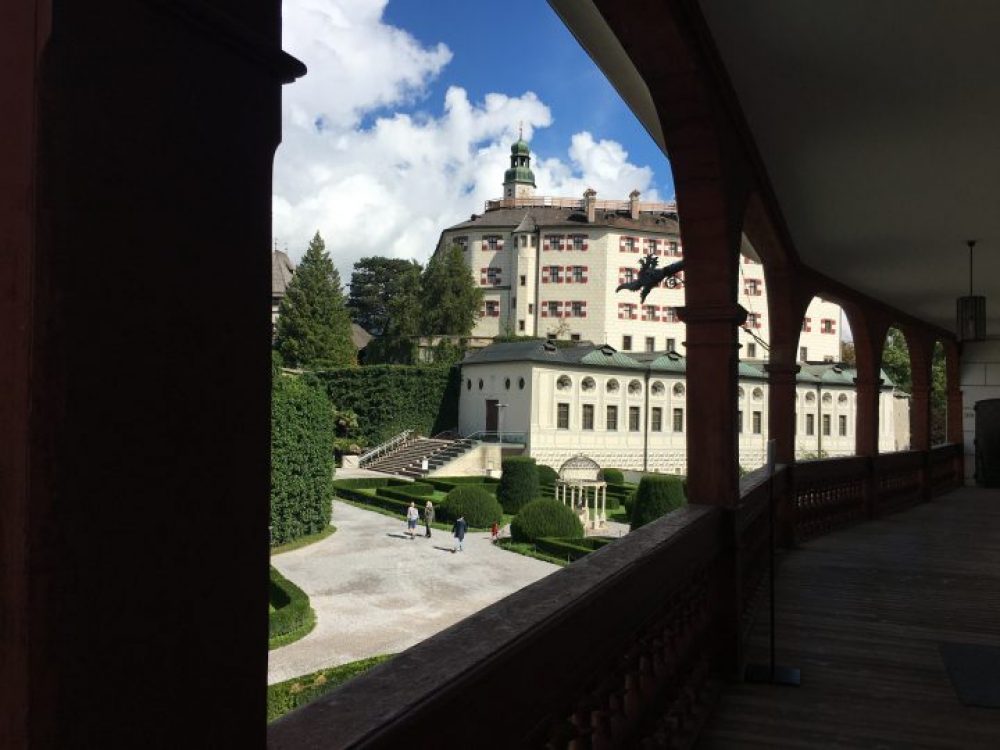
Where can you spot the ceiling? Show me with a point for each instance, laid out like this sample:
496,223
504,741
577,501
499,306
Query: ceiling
879,127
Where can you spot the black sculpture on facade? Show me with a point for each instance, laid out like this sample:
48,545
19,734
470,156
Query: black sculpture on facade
650,276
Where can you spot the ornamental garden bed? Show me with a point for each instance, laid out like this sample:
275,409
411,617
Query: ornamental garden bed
290,617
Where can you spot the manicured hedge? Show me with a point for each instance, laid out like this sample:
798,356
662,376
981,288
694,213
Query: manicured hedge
290,694
571,548
462,480
391,398
613,476
518,483
656,496
302,435
544,517
400,494
367,483
547,476
413,489
292,614
479,507
396,505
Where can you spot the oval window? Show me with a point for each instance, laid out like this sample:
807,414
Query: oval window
506,384
588,384
520,383
679,390
612,386
564,383
480,384
634,387
468,384
657,388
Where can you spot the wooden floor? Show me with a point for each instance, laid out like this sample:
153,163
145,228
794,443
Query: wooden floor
862,612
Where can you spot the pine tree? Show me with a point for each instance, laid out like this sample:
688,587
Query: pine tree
451,298
385,300
314,329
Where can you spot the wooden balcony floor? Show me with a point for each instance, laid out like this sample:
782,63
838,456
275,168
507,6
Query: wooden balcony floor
861,612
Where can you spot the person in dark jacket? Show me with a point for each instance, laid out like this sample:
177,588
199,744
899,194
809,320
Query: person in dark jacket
428,518
458,531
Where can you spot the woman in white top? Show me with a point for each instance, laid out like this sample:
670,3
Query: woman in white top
412,516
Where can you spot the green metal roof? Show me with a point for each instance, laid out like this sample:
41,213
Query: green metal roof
519,174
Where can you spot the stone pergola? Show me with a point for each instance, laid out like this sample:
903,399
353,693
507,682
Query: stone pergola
580,484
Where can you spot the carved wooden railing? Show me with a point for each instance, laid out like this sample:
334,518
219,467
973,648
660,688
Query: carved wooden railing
898,481
827,495
617,650
945,468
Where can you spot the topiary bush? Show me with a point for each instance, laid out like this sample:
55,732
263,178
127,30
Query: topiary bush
547,476
613,476
545,517
655,497
292,617
518,483
302,435
478,506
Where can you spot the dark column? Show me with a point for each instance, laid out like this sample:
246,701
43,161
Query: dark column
135,529
921,351
955,429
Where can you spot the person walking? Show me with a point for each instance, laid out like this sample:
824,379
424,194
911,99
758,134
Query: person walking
428,518
458,531
494,532
412,516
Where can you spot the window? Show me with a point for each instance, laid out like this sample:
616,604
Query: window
739,421
588,416
633,419
678,420
531,309
551,309
612,386
671,345
656,419
828,358
574,337
826,424
506,383
579,274
810,424
564,383
480,384
649,312
670,314
628,245
562,416
751,287
634,388
753,320
578,309
626,343
489,276
803,354
520,383
806,325
520,325
678,390
756,423
492,243
611,423
468,384
462,242
673,248
524,240
752,351
553,242
626,275
524,280
588,384
657,388
842,419
579,242
650,344
828,326
491,309
651,248
552,274
626,310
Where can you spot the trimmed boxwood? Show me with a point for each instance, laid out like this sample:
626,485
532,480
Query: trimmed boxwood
613,476
571,548
478,506
414,489
518,484
547,476
544,517
656,496
292,617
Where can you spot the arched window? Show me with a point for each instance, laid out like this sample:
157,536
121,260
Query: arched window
657,388
758,394
564,383
827,398
588,384
810,398
842,398
634,387
679,390
612,386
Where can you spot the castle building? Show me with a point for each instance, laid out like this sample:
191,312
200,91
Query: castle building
630,410
549,268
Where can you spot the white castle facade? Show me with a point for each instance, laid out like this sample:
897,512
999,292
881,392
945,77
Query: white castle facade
549,268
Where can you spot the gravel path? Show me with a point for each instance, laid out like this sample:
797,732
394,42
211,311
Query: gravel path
375,591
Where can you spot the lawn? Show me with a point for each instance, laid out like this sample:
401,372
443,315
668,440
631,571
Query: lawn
286,696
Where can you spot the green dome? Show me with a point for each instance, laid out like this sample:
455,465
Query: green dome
520,147
519,174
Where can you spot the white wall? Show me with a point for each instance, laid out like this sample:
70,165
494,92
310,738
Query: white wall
980,379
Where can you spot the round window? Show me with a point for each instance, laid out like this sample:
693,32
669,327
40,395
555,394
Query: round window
679,390
635,387
563,383
612,386
657,388
588,384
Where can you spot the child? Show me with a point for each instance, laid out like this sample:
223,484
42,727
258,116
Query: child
494,532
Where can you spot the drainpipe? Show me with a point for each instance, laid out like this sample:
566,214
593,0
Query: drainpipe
645,425
538,281
819,419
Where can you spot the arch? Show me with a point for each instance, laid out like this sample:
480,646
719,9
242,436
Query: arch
657,388
896,370
634,387
612,386
588,384
678,390
564,383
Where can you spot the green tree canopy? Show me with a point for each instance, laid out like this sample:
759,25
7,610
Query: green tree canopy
896,360
451,298
385,300
314,329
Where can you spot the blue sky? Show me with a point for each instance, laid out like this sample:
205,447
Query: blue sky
419,103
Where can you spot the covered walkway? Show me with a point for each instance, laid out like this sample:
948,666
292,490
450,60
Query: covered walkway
862,612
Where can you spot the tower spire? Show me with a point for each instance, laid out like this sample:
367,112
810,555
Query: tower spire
519,180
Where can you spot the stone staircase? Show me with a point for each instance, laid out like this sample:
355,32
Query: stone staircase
407,459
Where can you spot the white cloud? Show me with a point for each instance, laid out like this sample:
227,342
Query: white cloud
376,180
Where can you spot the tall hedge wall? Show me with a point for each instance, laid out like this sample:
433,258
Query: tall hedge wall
391,398
302,435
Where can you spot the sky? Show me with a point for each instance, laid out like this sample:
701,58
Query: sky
403,125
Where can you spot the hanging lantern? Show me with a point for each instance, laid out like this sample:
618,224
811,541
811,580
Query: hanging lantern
971,310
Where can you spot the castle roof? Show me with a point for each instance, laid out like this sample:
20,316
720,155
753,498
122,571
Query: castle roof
553,217
282,270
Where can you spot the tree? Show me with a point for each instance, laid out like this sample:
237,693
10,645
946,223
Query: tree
896,360
518,483
451,299
385,301
314,329
655,497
